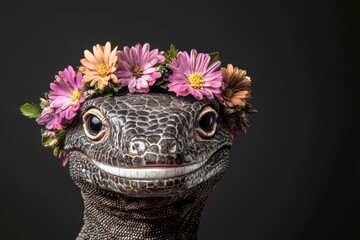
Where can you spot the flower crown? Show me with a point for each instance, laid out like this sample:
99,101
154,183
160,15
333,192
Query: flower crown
109,72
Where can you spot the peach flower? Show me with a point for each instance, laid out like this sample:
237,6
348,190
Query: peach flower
99,66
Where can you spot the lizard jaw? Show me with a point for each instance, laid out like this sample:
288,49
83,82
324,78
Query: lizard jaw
156,172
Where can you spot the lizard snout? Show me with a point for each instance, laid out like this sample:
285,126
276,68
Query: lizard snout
138,147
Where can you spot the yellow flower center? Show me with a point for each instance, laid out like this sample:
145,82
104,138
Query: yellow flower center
75,95
228,93
102,70
196,80
137,71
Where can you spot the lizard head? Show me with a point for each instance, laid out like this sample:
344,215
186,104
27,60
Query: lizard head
149,145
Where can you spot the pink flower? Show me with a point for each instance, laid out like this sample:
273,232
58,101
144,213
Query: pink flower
49,119
65,161
193,75
137,67
49,133
64,100
67,94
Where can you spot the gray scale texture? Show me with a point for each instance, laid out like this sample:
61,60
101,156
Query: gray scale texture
165,126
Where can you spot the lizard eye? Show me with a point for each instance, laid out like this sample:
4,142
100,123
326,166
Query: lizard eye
205,124
95,125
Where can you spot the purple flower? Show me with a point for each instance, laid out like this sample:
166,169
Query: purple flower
64,100
193,75
67,94
137,67
49,119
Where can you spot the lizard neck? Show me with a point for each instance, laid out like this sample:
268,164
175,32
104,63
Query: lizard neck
115,216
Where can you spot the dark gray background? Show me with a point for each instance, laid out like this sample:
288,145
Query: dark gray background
294,176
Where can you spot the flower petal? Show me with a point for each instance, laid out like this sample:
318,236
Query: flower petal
90,57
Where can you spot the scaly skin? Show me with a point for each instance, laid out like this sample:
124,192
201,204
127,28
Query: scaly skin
144,132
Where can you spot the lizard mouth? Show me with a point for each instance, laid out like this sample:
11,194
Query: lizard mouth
152,180
153,172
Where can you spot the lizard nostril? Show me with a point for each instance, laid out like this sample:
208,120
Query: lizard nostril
172,148
169,146
137,147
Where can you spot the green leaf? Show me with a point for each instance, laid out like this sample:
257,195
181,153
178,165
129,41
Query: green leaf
159,81
31,110
48,141
171,53
164,86
117,88
61,134
96,87
46,95
59,147
161,65
214,56
57,151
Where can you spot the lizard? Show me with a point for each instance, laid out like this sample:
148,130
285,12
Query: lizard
146,164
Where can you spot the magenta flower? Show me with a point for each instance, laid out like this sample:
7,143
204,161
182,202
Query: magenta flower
64,100
193,75
49,119
137,67
67,94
